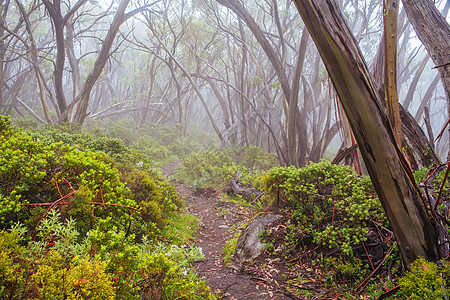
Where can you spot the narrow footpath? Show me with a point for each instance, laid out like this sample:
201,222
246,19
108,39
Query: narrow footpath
228,282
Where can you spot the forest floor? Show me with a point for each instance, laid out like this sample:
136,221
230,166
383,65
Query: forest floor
216,217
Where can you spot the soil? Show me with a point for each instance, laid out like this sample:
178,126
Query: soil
216,218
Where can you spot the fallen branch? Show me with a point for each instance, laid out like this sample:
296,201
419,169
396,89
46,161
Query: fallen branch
234,187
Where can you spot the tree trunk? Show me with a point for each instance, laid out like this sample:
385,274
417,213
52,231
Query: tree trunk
83,97
388,169
390,67
293,102
54,11
434,32
34,60
242,13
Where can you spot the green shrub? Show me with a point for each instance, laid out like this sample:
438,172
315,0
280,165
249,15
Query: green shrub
84,184
425,280
332,210
94,211
217,167
107,264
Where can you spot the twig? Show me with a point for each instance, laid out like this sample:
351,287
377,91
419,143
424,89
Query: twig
363,283
57,186
101,196
52,205
368,256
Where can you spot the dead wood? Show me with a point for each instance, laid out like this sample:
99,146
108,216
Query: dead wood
237,187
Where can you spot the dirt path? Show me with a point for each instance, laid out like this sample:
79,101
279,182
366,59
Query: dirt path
230,283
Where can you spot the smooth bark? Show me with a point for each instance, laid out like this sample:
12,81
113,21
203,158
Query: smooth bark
390,67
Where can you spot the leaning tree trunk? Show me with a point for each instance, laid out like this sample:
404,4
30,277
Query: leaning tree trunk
388,169
83,97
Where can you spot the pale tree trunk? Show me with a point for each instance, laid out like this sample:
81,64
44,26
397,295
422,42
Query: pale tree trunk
83,97
413,86
388,169
3,13
242,86
293,102
73,62
390,67
426,98
34,61
434,32
150,91
220,99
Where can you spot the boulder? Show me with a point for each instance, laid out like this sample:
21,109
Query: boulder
248,245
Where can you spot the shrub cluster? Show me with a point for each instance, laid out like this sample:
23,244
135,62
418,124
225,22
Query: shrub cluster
333,211
106,264
217,167
89,222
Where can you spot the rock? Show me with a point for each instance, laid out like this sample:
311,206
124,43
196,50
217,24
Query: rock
248,245
224,226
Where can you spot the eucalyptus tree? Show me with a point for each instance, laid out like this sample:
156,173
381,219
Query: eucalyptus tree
393,181
32,47
59,20
79,21
19,58
274,34
435,38
168,29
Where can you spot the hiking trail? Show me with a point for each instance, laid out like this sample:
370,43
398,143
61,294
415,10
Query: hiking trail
229,282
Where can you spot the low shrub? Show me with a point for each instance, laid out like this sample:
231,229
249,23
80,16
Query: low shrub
425,281
334,211
106,264
218,167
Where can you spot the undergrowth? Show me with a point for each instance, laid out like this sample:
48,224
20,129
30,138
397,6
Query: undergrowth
88,218
215,168
126,142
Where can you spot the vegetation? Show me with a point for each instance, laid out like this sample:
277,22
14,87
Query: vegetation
156,144
78,224
84,216
334,231
425,280
335,217
218,167
88,214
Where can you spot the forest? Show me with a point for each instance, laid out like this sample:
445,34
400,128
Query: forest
224,149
